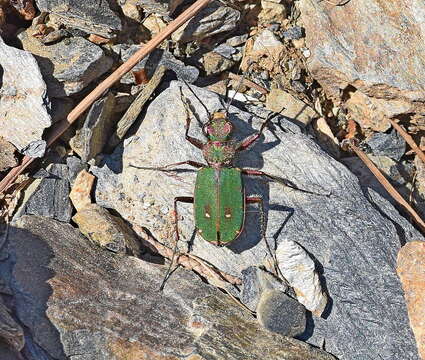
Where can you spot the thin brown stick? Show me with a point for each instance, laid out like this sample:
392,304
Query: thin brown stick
248,83
100,89
387,185
408,139
188,261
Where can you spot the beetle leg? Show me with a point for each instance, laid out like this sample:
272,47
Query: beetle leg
251,139
184,199
198,143
167,167
285,182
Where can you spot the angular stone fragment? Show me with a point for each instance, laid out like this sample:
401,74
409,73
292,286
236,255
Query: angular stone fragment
299,270
392,145
49,196
411,270
76,299
372,113
271,12
281,314
360,46
68,66
90,140
7,155
266,39
75,166
284,103
89,16
106,230
81,190
358,265
212,20
156,59
135,109
164,8
215,63
24,104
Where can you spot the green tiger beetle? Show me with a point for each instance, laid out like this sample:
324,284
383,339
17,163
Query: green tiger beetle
219,198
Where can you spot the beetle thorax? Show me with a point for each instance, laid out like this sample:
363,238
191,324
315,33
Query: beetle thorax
218,153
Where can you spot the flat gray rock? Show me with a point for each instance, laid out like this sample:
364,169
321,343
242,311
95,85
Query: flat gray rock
93,17
352,238
50,195
24,104
213,19
80,302
67,66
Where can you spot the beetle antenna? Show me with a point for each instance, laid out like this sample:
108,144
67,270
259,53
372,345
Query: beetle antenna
237,90
168,273
206,109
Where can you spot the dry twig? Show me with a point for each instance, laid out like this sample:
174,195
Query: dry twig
190,262
386,184
248,83
58,130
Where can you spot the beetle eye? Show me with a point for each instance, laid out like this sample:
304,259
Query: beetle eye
205,129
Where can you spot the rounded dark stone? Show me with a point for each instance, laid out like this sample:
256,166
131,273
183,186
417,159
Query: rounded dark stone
281,314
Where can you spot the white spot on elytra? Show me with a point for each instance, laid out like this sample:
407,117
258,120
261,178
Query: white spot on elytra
228,215
207,215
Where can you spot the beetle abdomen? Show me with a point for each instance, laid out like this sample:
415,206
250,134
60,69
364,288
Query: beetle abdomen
219,204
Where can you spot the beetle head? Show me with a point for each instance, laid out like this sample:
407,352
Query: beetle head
219,128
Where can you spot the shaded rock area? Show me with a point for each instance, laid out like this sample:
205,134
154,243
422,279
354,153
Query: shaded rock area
25,105
329,223
360,51
114,308
89,16
67,66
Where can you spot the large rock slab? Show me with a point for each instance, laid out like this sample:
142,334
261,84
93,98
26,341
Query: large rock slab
81,302
24,104
93,17
374,47
353,244
67,66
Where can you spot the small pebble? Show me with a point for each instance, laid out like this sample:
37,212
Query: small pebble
293,33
